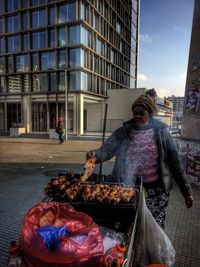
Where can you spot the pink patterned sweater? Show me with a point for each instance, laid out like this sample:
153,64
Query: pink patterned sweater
142,155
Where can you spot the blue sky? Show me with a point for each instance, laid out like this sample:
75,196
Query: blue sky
165,32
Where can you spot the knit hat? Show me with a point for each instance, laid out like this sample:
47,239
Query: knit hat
148,101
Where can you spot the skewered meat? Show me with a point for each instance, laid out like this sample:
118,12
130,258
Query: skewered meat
113,194
128,193
88,169
88,194
73,190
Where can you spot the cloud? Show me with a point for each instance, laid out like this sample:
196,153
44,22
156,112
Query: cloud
165,85
178,29
145,38
142,77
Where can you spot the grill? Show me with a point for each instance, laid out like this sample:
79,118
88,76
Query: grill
121,212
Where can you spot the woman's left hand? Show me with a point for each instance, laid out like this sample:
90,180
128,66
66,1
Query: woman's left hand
189,201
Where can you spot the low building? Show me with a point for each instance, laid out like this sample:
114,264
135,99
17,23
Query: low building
178,103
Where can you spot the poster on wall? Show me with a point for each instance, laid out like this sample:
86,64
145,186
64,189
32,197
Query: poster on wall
193,166
193,98
195,62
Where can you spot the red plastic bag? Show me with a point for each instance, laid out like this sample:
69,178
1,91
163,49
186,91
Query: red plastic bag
69,252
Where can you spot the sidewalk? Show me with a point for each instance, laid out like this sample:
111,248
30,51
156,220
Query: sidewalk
24,164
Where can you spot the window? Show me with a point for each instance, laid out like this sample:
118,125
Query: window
14,84
98,46
48,60
12,24
79,81
62,13
22,63
62,59
74,80
85,82
35,62
11,5
10,64
25,83
37,2
38,18
118,27
52,17
61,36
43,82
71,11
24,21
13,43
52,41
38,40
61,81
1,26
24,3
1,45
76,58
67,12
1,7
74,35
35,83
134,3
2,85
134,31
84,36
52,82
25,41
2,66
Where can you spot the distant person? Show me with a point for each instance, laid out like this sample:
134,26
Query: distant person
144,147
60,129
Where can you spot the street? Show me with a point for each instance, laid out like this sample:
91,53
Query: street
27,165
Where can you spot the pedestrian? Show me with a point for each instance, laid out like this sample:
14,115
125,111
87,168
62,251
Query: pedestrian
144,147
60,129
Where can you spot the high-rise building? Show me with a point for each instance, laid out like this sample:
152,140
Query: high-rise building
178,102
61,58
191,112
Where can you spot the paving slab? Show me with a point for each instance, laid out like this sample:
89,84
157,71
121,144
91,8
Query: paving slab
28,164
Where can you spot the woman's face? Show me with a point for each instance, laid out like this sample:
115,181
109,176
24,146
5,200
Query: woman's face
140,115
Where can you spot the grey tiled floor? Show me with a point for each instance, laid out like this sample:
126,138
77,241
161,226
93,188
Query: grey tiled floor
21,187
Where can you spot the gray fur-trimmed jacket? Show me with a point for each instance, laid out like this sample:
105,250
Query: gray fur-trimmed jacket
168,156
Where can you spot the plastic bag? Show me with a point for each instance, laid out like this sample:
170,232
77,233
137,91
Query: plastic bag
152,245
111,237
73,249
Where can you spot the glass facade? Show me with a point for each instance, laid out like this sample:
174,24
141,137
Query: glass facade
46,45
107,47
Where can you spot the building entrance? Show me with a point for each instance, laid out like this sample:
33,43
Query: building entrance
14,114
39,117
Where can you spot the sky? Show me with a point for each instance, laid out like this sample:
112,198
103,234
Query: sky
165,33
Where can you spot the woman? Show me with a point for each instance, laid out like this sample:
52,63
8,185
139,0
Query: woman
144,147
60,129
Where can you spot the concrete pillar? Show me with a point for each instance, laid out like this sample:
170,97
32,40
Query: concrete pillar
26,112
79,113
74,113
191,113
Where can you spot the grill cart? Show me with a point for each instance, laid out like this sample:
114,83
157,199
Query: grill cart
112,213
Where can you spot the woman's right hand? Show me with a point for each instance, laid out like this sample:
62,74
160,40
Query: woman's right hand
90,154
